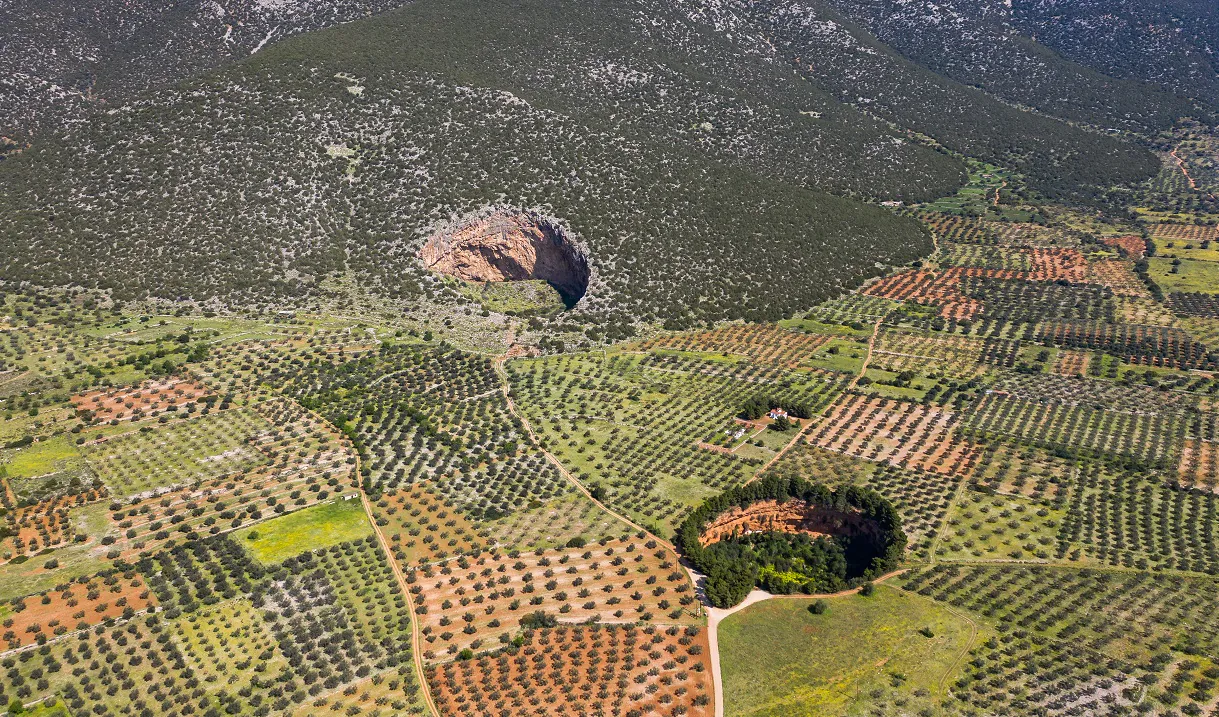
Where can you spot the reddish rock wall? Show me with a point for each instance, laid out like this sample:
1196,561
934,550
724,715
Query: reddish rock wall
508,246
793,516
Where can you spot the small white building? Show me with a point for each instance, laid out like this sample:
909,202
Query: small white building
777,413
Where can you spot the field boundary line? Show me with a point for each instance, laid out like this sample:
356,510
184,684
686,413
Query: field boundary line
416,651
863,367
512,408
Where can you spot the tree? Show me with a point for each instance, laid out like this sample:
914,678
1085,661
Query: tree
538,619
728,582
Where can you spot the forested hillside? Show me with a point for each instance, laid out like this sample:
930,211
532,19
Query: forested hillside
58,59
1173,43
694,148
255,189
976,42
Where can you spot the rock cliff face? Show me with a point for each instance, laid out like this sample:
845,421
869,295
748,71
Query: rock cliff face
510,246
793,516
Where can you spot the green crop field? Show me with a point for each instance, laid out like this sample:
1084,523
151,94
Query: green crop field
1191,275
310,529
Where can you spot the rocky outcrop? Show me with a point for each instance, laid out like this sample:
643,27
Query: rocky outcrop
792,516
510,246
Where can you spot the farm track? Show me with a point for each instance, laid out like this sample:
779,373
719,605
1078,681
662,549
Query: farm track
973,636
416,652
717,615
867,358
952,504
533,436
1181,165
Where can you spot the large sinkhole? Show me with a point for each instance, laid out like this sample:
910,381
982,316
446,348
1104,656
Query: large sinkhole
511,246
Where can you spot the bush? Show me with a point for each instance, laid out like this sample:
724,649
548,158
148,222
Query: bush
819,607
538,619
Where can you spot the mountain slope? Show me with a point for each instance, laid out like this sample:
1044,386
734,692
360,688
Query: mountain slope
1173,43
976,42
57,59
691,147
1059,160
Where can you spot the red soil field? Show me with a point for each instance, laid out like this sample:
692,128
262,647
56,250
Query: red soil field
1072,363
46,524
1199,465
584,670
900,433
75,606
133,403
422,527
1058,263
621,581
941,289
1132,244
792,516
763,343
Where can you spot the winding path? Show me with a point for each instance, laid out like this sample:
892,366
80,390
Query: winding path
863,367
1181,165
973,635
507,389
416,642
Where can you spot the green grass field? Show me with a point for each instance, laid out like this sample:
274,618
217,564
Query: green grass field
1000,527
848,358
518,297
44,710
863,656
1189,250
318,527
49,456
224,638
1192,275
